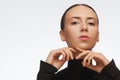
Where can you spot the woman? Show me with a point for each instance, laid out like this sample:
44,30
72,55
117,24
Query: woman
79,28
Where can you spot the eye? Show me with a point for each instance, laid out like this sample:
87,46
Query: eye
91,24
75,23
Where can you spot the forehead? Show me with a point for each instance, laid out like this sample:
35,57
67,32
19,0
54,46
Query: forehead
80,11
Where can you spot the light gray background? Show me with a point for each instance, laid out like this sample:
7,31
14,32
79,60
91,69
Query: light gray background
29,29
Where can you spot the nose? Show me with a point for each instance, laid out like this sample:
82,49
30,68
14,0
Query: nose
84,28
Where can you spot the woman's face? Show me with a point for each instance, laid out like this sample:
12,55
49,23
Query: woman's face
81,28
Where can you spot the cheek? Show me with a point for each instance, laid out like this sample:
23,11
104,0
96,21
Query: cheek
93,32
94,35
70,32
70,35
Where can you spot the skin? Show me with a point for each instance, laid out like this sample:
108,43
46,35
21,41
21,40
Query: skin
79,21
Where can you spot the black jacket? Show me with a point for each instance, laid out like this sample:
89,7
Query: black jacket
75,71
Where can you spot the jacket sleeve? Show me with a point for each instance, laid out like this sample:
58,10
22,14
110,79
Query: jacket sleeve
46,71
111,71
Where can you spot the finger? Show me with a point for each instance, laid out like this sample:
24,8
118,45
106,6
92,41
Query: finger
82,55
61,57
63,54
67,54
90,59
86,59
72,49
71,54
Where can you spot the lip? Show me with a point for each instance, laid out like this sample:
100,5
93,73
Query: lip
84,37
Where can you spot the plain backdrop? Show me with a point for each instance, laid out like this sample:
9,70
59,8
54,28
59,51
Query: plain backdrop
29,29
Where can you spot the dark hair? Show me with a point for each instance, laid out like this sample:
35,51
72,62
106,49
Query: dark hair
63,17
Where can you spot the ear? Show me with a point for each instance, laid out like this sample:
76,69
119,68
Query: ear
62,36
98,37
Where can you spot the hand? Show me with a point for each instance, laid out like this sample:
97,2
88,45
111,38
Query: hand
88,56
53,57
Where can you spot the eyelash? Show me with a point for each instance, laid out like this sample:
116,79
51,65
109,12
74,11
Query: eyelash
92,24
75,23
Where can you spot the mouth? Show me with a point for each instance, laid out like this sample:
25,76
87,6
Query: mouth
84,37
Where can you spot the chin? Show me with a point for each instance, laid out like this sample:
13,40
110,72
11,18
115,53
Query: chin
85,47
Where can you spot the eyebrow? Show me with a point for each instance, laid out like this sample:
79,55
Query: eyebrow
89,18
